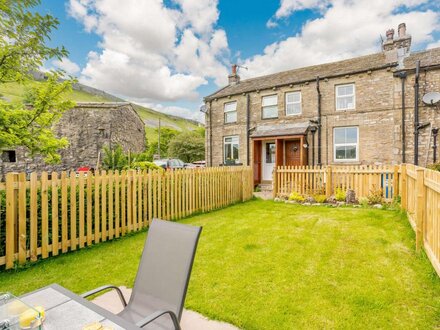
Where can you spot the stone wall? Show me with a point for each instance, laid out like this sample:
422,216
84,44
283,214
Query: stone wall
88,127
377,114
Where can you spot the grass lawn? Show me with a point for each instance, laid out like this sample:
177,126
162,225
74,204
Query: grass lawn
266,265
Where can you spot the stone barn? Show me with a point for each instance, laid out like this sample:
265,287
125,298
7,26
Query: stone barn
89,127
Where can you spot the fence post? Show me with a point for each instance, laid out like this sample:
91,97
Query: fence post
11,217
274,182
396,181
404,189
328,182
420,207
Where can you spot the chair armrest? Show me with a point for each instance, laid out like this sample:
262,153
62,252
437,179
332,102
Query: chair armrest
106,287
150,318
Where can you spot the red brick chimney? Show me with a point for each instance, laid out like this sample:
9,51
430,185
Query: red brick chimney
234,78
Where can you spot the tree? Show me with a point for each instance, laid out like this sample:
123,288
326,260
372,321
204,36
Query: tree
166,134
114,159
187,146
22,51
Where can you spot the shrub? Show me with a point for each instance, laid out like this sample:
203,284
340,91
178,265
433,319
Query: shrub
375,196
340,195
294,196
320,198
145,166
363,201
435,167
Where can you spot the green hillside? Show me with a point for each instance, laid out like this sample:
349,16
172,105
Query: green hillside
14,92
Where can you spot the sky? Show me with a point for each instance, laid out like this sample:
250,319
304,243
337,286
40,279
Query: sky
169,54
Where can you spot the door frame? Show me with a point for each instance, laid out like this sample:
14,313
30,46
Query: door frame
263,158
257,155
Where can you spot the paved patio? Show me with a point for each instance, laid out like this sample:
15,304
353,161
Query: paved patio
190,320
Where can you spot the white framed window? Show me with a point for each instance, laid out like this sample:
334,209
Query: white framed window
345,97
230,110
231,147
346,144
269,106
293,103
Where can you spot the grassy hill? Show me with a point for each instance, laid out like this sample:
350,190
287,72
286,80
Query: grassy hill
14,92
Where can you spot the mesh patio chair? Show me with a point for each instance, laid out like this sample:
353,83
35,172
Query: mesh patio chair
162,279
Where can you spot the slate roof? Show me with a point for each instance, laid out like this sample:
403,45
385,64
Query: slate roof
280,130
340,68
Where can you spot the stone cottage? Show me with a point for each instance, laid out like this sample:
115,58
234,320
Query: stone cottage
89,127
364,110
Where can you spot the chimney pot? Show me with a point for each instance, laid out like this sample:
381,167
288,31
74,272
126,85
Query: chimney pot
234,78
234,69
390,34
402,30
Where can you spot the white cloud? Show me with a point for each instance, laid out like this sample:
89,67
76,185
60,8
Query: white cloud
71,68
194,114
433,45
345,29
287,7
153,52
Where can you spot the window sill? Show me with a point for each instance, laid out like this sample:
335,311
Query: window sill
344,110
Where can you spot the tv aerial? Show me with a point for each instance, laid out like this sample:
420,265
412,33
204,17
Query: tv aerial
432,98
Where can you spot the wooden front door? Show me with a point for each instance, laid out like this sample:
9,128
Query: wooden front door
293,153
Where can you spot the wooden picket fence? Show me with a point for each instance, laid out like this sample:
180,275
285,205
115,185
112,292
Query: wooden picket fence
56,213
315,180
420,197
418,188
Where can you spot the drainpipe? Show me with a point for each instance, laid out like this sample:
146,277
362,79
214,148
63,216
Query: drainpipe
416,115
248,113
210,133
313,129
434,147
402,75
319,120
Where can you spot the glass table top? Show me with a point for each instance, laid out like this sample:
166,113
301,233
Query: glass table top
15,314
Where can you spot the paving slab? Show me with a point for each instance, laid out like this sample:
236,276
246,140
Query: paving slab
190,320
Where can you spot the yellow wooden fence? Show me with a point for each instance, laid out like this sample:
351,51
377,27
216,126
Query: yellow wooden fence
56,213
314,180
420,197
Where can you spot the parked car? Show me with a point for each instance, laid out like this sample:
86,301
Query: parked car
169,163
199,163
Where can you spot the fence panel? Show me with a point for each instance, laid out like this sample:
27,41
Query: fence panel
421,199
314,180
63,212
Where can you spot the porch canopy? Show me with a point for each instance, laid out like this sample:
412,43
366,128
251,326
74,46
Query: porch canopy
278,130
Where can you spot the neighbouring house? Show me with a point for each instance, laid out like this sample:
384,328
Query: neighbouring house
362,110
89,127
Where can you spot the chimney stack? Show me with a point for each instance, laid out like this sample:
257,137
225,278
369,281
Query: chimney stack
402,30
397,49
390,34
234,78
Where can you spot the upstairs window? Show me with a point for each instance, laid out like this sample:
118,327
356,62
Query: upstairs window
345,97
270,106
346,144
293,103
231,146
230,110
